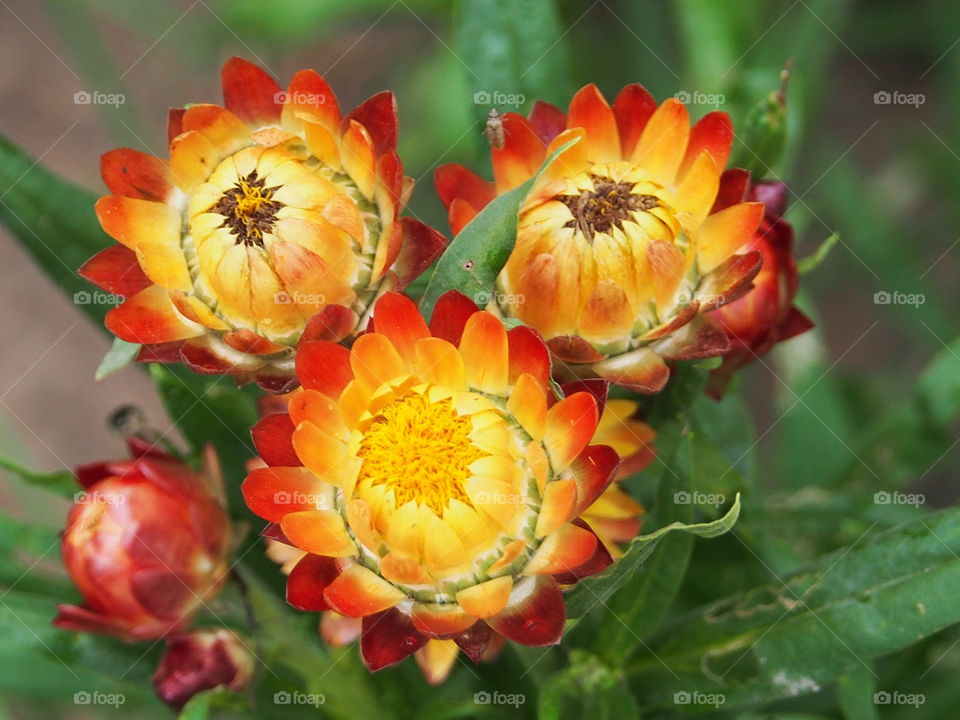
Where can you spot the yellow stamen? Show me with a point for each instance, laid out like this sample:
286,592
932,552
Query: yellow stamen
420,450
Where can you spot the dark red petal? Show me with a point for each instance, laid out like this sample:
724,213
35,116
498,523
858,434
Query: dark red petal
199,358
474,640
116,270
794,324
547,121
450,315
307,581
593,471
135,174
734,185
168,352
632,108
333,323
421,246
91,473
175,122
700,339
537,619
272,531
378,115
595,386
162,593
273,439
387,638
251,94
81,619
140,448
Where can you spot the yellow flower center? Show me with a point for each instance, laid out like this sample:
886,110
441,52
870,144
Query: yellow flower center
249,209
420,450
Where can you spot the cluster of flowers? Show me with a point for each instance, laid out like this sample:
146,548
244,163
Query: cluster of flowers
430,485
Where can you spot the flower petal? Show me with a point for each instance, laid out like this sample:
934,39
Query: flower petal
273,439
664,141
324,366
136,175
251,94
570,426
589,110
441,620
559,506
485,353
535,615
116,270
274,492
378,114
725,232
308,580
320,532
150,317
358,592
486,599
521,155
633,108
388,638
562,551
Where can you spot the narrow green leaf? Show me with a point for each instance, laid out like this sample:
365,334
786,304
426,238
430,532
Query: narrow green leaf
796,634
593,590
855,695
812,262
60,482
53,220
475,257
120,354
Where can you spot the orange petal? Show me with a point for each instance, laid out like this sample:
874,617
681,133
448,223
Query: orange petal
641,370
698,186
562,551
319,451
320,532
319,409
520,157
725,232
357,157
607,314
485,353
132,222
149,317
486,599
325,366
570,426
667,268
558,506
455,181
589,110
375,360
664,141
528,354
397,317
136,175
713,133
220,126
440,620
572,160
436,659
528,404
310,94
438,362
193,159
275,492
359,592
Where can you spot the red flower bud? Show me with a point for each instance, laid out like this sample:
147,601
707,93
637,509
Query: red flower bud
145,543
199,661
766,315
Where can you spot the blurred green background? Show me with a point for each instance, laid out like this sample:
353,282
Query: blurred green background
837,414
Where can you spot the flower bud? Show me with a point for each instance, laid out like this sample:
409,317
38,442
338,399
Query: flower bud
201,660
145,544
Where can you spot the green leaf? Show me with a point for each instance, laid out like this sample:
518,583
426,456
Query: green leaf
475,257
812,262
938,389
594,590
855,695
823,620
587,689
512,52
646,596
53,220
764,134
60,482
120,354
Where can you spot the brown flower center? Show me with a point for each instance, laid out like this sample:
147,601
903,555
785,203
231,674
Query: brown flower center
607,205
249,209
